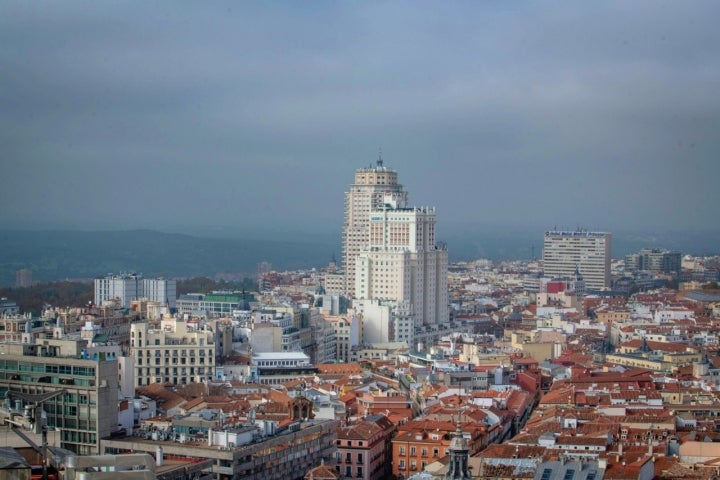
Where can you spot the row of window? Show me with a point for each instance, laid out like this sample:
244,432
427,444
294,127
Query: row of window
174,362
424,451
14,366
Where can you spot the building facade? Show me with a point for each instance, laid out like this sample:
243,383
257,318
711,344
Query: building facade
363,449
87,408
391,255
655,260
129,287
589,253
213,305
176,352
367,194
160,290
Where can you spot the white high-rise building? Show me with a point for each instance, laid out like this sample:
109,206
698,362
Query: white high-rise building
391,255
367,194
129,287
125,288
565,252
160,290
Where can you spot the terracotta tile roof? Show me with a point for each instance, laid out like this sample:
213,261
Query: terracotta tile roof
165,398
343,368
361,431
559,396
505,450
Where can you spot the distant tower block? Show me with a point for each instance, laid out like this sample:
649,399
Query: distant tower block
566,253
23,278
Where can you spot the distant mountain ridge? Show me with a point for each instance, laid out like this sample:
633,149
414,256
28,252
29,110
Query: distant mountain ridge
62,254
53,255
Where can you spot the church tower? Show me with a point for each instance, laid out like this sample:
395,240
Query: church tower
459,455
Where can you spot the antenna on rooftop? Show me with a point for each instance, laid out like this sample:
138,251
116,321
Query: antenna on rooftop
380,160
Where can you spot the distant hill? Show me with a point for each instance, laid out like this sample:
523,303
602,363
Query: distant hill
59,255
56,255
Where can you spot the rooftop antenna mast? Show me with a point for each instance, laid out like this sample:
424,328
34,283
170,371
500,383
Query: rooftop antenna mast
380,160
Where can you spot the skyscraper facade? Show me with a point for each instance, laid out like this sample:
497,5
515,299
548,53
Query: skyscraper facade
367,194
565,252
391,255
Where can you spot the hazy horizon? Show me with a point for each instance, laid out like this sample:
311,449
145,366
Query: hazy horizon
218,116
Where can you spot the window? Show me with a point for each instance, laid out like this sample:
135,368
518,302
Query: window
359,472
360,459
402,450
413,451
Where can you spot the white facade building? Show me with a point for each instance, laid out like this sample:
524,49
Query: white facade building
347,330
392,259
129,287
160,290
125,288
564,252
177,352
366,194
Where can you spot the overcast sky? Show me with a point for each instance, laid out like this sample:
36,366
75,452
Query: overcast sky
159,114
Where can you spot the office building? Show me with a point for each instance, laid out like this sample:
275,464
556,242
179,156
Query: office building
403,263
160,290
85,408
654,260
129,287
367,194
391,255
589,253
213,305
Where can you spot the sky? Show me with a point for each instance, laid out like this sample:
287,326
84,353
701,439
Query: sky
255,115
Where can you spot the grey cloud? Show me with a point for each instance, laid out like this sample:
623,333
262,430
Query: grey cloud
599,113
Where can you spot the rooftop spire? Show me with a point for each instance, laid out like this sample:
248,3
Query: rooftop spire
459,453
380,160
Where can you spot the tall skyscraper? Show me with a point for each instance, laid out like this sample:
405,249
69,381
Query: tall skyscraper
367,194
565,252
391,255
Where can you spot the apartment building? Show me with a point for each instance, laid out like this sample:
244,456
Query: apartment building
347,329
173,351
421,442
363,449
